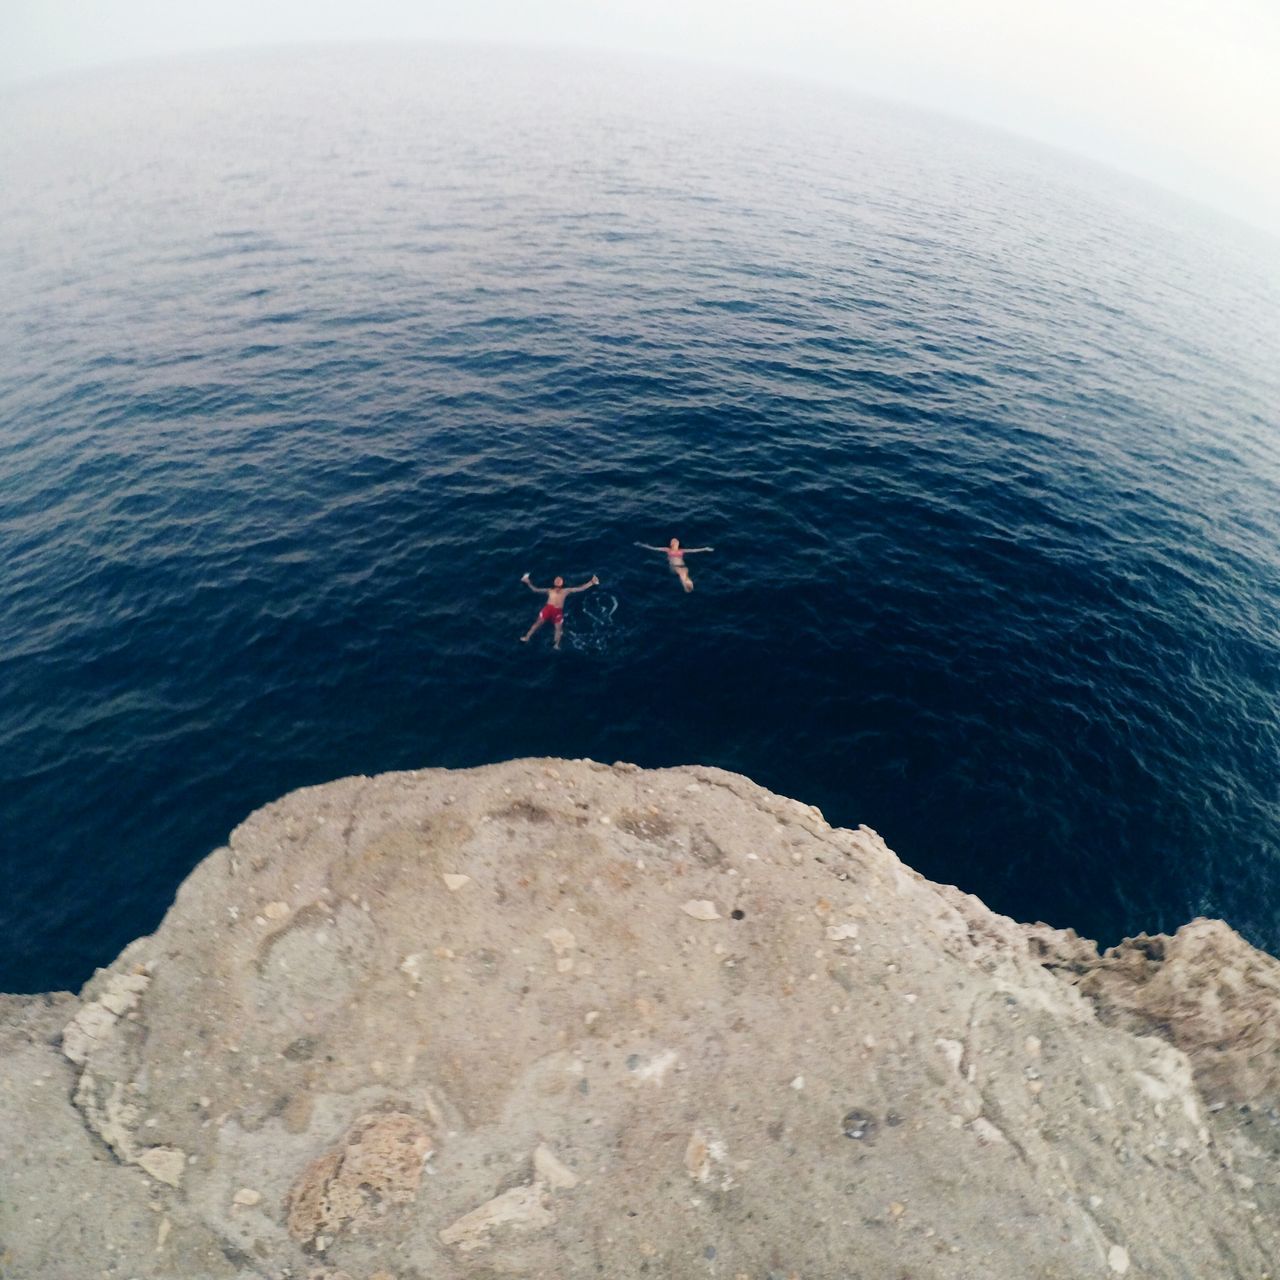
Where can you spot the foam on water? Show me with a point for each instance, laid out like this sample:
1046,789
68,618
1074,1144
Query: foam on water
304,358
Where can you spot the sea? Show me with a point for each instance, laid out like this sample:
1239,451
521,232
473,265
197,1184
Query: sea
307,355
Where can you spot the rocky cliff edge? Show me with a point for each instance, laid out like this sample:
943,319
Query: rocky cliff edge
557,1019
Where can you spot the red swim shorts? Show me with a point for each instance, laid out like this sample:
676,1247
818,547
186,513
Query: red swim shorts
552,613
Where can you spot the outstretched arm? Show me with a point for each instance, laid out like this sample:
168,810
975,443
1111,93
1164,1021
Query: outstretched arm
584,586
647,547
689,551
527,583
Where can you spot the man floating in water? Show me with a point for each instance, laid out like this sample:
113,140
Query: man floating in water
553,610
675,554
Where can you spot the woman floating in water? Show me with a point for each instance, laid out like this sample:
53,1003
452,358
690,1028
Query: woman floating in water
675,554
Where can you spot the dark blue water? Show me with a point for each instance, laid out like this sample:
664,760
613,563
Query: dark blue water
304,359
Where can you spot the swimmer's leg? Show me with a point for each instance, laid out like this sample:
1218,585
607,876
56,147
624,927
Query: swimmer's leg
537,622
685,581
559,631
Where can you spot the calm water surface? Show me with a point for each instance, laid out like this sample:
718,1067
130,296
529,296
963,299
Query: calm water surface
304,359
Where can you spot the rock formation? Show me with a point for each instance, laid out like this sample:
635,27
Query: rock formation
557,1019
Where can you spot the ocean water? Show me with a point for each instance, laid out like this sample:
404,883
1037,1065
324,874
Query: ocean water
306,357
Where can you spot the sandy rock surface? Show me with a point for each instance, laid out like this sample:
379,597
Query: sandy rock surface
558,1019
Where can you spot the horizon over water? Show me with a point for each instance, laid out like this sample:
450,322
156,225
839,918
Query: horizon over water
305,357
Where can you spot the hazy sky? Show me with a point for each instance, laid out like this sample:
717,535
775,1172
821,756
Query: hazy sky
1186,92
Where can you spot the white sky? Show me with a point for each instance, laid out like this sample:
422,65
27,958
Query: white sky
1185,92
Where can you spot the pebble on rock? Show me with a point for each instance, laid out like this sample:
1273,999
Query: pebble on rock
561,940
858,1124
557,1175
522,1208
697,1157
986,1132
700,909
1118,1259
164,1164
